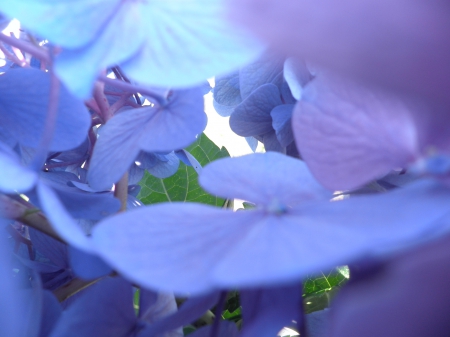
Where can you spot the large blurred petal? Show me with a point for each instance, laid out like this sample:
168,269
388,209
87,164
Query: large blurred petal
398,44
349,136
408,297
188,42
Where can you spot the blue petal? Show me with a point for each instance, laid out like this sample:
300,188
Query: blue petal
226,90
281,122
209,44
266,311
61,221
191,309
226,329
268,69
14,177
189,160
87,266
105,309
67,24
78,68
24,105
171,127
252,116
264,178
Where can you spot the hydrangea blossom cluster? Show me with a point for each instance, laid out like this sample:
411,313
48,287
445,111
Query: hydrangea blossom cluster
102,103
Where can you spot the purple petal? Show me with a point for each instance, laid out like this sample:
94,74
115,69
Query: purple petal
105,309
226,329
193,308
408,297
87,266
252,116
399,45
266,311
264,177
297,76
349,136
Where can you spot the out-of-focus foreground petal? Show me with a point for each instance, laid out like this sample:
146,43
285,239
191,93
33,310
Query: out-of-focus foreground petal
349,135
408,297
400,44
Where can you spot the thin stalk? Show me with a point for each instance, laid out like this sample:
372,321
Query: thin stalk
121,192
73,287
30,216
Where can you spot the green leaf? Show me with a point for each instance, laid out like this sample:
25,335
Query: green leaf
317,284
319,301
234,316
183,185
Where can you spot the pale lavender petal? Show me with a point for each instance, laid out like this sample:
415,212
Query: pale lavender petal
190,240
269,178
349,136
297,76
317,236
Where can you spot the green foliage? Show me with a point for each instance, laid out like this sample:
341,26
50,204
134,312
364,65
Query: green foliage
184,186
317,284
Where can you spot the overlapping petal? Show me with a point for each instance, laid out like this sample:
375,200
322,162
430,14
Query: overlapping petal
265,179
348,135
150,129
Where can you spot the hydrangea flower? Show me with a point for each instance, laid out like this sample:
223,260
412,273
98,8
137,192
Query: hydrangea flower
294,231
163,43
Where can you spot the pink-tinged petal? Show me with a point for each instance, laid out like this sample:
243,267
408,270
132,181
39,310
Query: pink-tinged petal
401,44
171,247
349,136
407,297
267,179
61,220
